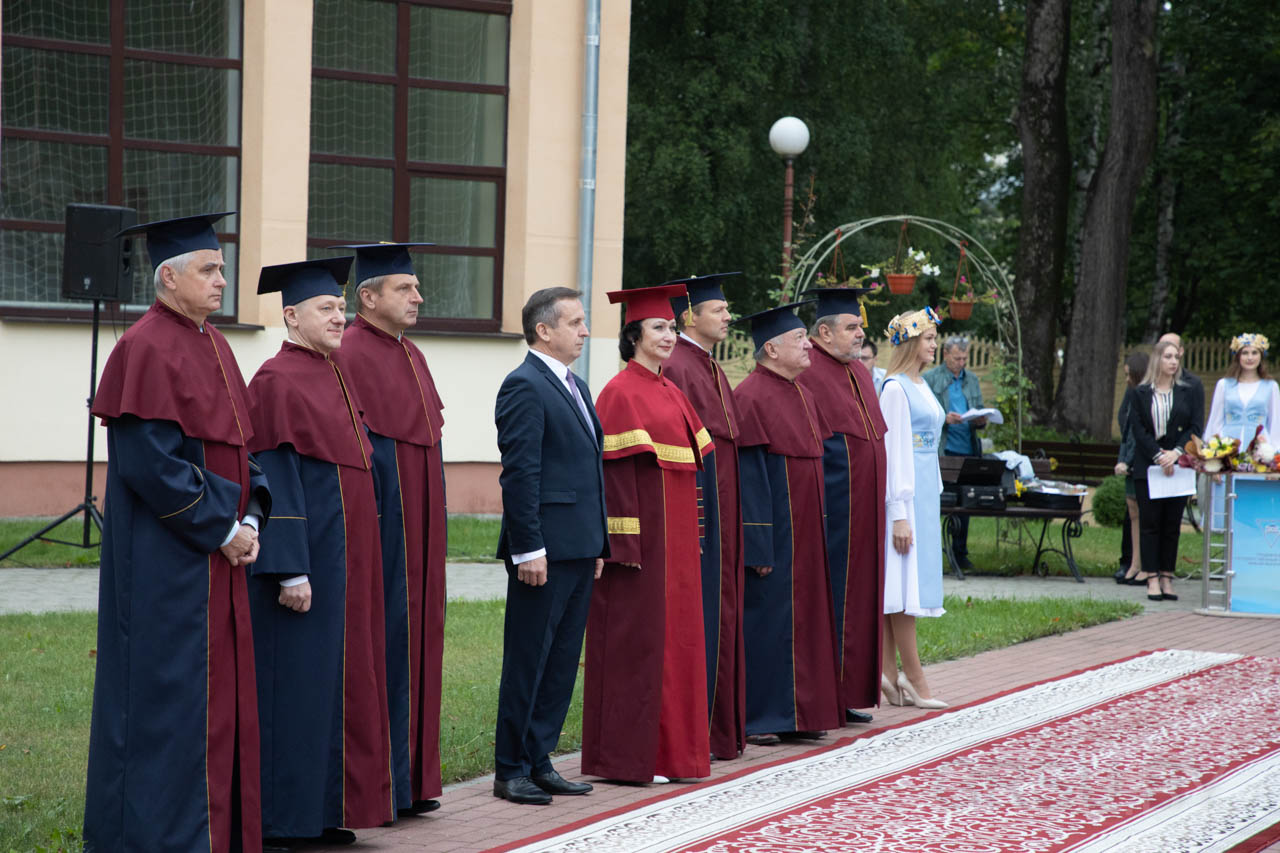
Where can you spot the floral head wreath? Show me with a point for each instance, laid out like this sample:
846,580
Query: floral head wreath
1250,339
904,327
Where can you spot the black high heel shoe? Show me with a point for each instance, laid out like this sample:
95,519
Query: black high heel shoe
1158,595
1167,596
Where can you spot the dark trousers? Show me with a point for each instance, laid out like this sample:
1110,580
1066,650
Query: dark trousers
541,647
1159,524
1126,539
960,531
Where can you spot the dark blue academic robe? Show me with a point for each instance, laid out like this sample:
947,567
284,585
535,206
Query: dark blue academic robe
792,682
173,745
321,674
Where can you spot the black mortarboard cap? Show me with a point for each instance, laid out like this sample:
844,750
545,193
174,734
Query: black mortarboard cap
304,279
376,259
767,325
168,238
839,300
700,287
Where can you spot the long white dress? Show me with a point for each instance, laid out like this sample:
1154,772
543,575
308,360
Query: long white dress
912,581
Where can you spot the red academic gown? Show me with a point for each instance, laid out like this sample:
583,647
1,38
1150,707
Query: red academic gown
644,707
326,751
854,467
792,682
405,415
173,746
697,374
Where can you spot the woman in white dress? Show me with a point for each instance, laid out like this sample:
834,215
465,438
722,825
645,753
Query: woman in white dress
1243,400
913,540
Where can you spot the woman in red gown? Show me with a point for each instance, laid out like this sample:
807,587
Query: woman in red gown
644,714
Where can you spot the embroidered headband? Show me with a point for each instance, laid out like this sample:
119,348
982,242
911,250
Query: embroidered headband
1250,339
904,327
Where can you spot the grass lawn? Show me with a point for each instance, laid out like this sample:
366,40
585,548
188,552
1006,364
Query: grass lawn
1097,551
46,689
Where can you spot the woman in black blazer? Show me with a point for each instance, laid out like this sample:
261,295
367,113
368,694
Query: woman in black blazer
1162,418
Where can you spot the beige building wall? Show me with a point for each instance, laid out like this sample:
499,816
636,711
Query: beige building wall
45,379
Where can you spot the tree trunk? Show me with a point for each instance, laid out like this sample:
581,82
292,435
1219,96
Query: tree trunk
1166,199
1091,137
1046,187
1086,393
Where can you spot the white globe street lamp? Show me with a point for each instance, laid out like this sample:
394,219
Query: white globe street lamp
788,138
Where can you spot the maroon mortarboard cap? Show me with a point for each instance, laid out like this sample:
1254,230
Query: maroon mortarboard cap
644,303
168,238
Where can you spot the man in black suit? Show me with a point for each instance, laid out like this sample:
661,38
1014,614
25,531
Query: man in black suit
553,541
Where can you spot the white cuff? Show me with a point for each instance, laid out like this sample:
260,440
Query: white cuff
295,580
235,528
250,520
896,510
517,559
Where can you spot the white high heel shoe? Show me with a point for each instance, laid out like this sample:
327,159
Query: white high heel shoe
910,695
891,691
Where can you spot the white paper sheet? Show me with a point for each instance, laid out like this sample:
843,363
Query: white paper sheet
993,416
1178,484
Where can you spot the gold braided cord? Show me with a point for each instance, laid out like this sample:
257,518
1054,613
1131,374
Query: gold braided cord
623,525
641,438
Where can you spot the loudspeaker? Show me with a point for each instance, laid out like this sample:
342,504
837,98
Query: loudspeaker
95,263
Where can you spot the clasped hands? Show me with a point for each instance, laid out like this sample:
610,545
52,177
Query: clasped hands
243,547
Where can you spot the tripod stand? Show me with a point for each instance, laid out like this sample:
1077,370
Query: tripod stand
88,506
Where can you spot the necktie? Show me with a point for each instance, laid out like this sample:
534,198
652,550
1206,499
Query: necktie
577,396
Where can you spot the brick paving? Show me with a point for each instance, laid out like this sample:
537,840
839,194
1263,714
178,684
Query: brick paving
472,819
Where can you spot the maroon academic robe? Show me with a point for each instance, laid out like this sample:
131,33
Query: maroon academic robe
173,745
322,690
644,710
792,682
697,374
405,416
854,466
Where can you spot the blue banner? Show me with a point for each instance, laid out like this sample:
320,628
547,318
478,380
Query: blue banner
1255,546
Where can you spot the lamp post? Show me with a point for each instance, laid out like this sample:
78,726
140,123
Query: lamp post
788,138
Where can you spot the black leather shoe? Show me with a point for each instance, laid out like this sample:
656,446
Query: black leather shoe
419,807
521,790
553,783
334,835
802,735
852,716
764,740
277,845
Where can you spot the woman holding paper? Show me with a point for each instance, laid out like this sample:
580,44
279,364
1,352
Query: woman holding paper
1162,418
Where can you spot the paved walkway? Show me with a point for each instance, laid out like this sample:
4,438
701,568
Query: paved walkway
472,820
44,590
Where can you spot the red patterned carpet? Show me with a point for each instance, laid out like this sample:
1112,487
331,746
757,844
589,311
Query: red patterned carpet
1167,751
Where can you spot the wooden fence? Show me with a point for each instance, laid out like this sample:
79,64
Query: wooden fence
1206,358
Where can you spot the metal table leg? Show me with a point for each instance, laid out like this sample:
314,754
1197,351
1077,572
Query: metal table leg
950,526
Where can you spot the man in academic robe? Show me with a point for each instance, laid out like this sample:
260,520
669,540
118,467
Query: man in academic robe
703,320
316,591
553,540
173,745
792,681
853,463
404,415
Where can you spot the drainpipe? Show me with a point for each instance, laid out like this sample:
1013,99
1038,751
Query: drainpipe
587,181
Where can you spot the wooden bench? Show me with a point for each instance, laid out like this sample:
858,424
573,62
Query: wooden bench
1088,463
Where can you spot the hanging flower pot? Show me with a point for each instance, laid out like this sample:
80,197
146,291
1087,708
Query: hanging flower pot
900,283
960,309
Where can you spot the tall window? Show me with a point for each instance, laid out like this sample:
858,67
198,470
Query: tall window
408,143
125,102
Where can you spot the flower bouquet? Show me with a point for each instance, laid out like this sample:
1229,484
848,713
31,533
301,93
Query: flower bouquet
1216,454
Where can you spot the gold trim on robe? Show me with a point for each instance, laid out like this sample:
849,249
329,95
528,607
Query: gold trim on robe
623,525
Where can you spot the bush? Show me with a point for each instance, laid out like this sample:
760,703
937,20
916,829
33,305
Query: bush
1108,502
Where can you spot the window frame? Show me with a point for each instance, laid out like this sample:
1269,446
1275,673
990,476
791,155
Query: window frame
404,170
116,143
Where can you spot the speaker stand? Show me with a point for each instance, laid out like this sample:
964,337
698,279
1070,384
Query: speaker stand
89,505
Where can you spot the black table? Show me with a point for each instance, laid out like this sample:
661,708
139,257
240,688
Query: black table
1071,529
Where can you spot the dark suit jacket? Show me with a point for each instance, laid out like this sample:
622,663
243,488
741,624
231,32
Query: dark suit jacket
1182,424
552,468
